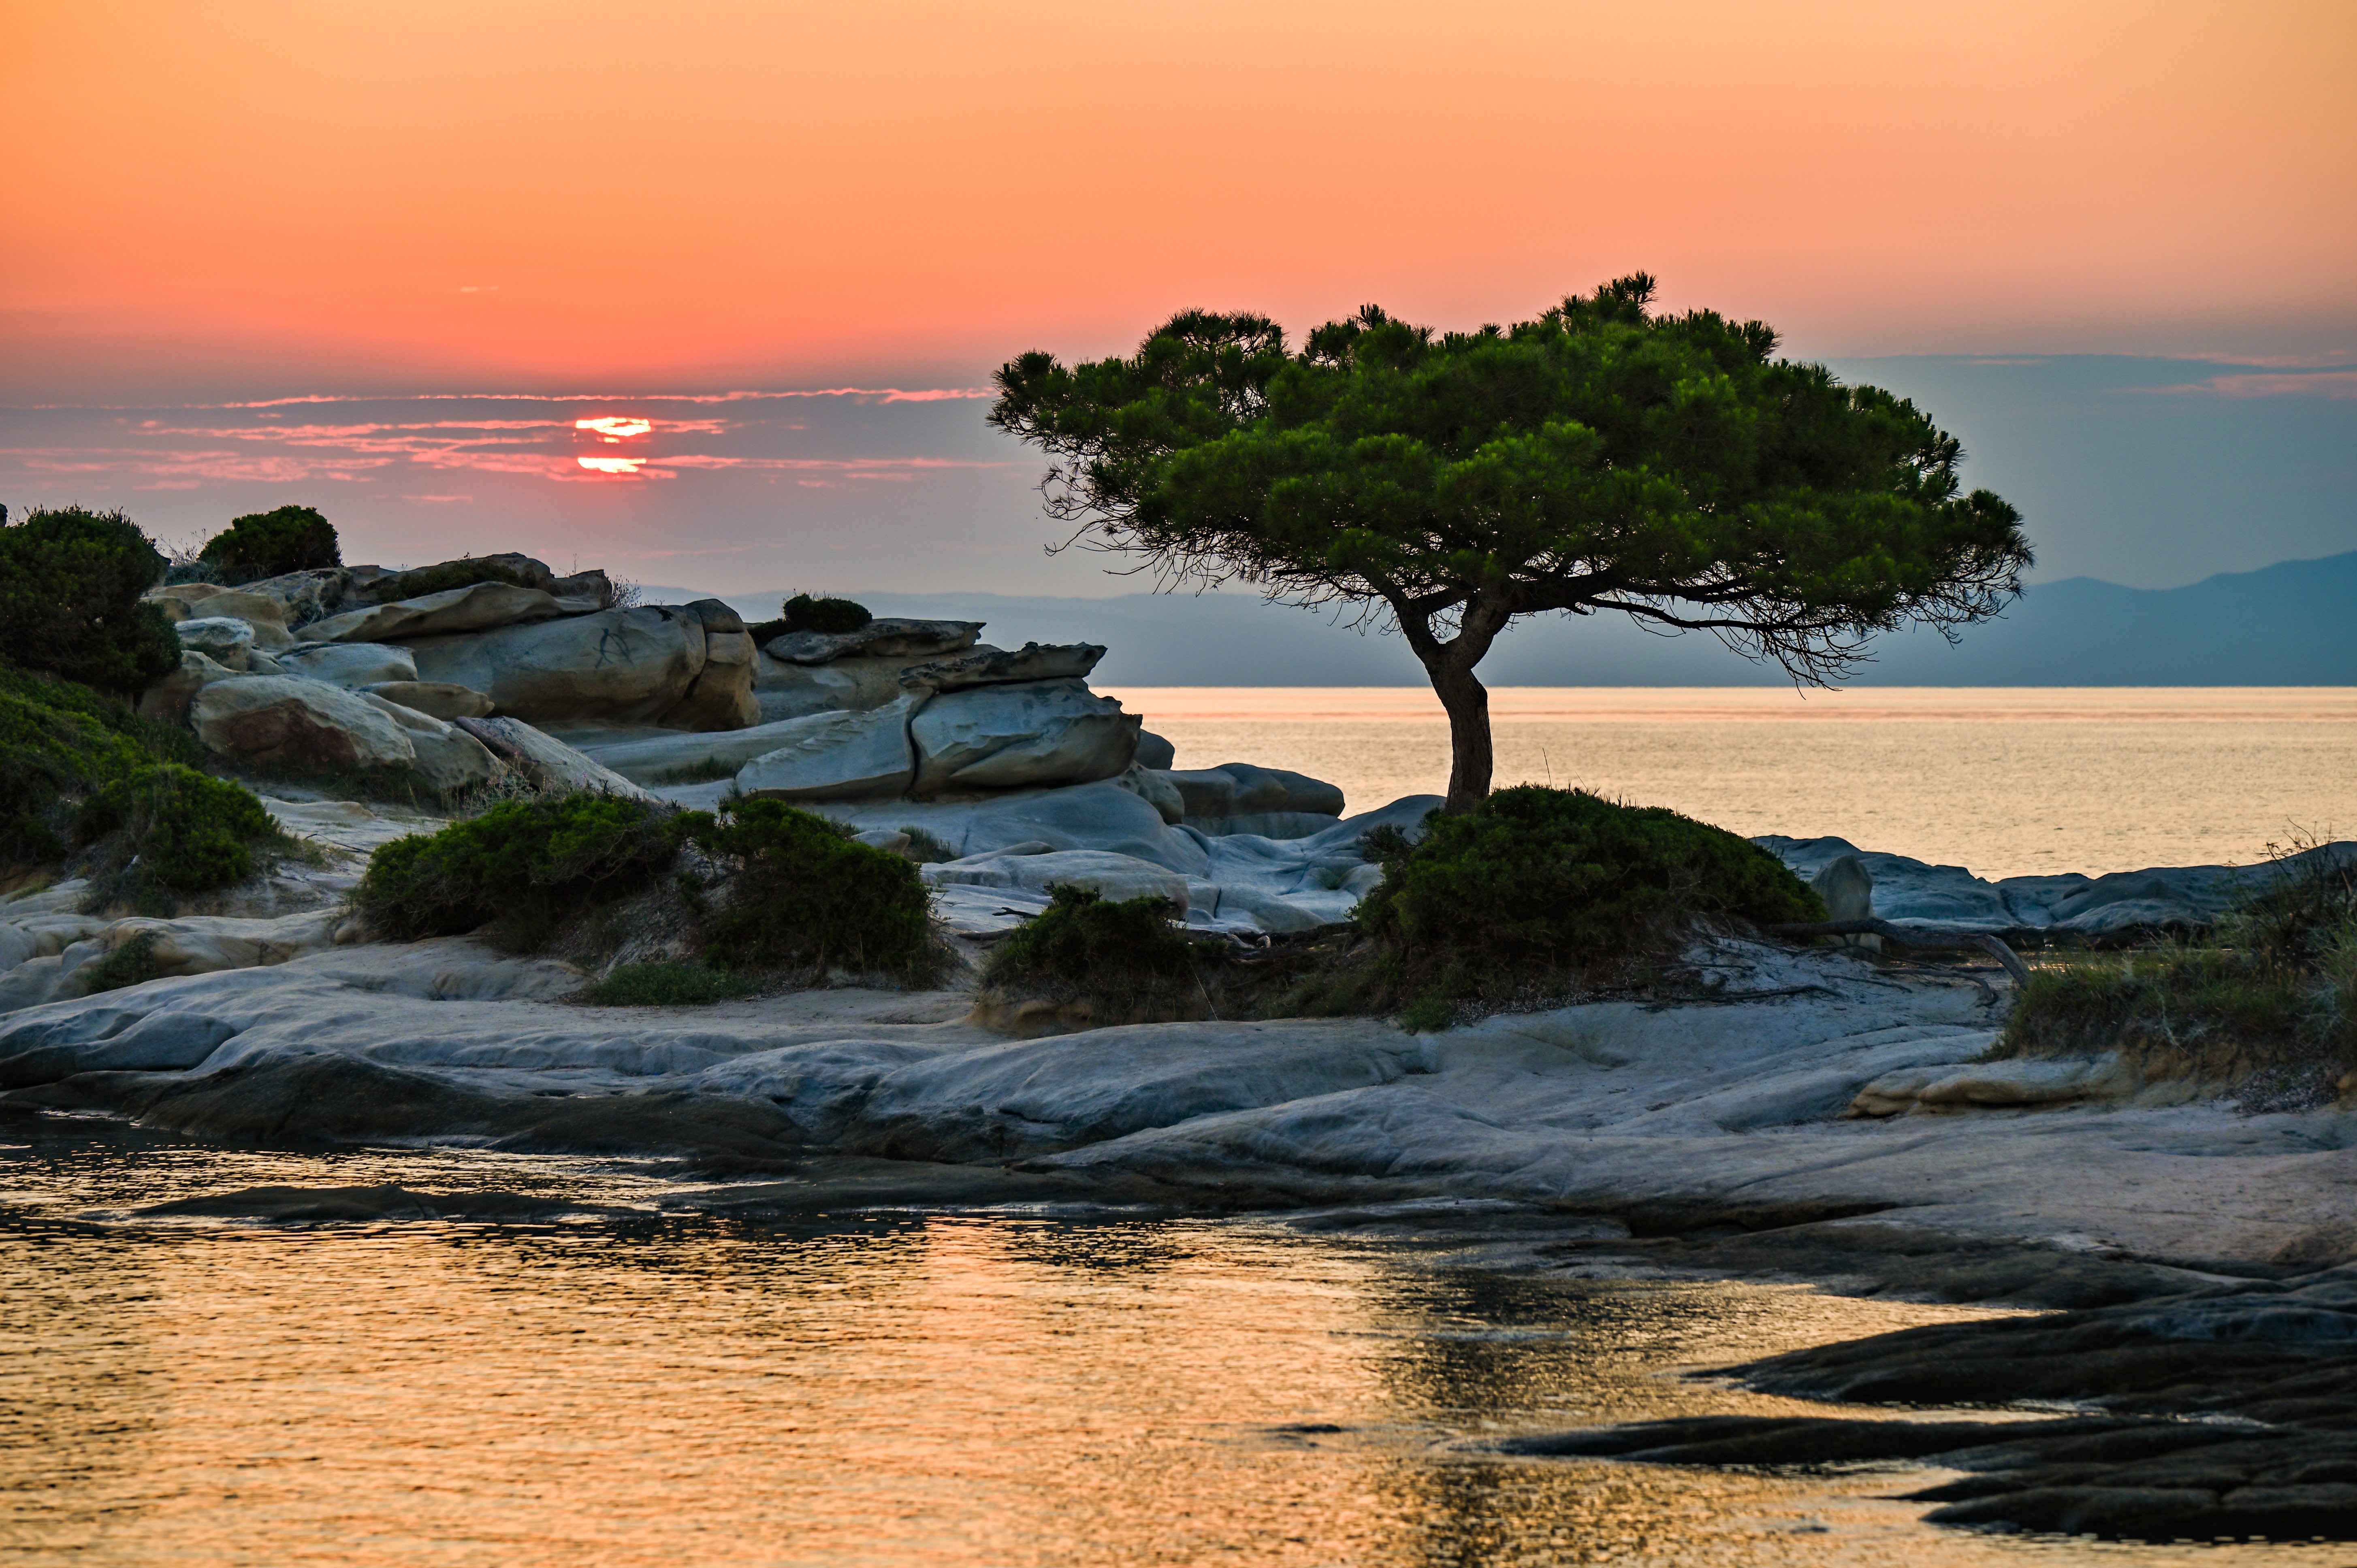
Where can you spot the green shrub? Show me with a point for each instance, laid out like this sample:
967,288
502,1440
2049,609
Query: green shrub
804,892
133,962
668,985
442,577
1124,956
69,605
1537,887
271,544
59,743
525,862
2222,1009
169,830
833,617
924,849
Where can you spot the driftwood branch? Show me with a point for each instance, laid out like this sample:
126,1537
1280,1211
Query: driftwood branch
1912,937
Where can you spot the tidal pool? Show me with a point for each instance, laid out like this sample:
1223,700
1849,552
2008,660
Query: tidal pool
884,1388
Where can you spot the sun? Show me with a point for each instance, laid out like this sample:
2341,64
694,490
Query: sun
615,426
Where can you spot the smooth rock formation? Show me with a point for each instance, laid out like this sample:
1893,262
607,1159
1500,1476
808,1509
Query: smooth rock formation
787,691
998,667
224,639
1155,752
549,764
721,695
1213,796
835,755
184,602
1155,787
348,664
886,638
1847,887
619,666
1007,738
479,607
1116,877
439,698
167,702
448,758
278,719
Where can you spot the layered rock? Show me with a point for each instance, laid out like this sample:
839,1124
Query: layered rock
886,638
272,719
1017,736
638,665
836,755
348,664
479,607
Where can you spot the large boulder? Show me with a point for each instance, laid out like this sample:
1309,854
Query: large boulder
278,719
382,585
167,702
721,696
478,607
837,757
883,639
998,667
349,664
438,698
548,763
619,666
1215,796
1021,736
300,597
205,601
224,639
448,758
783,690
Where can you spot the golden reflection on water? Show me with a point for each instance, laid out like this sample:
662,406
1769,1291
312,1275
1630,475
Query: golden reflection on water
958,1390
2004,781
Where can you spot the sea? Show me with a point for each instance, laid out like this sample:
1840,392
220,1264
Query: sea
2004,781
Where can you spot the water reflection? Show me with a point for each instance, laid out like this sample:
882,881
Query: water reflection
958,1390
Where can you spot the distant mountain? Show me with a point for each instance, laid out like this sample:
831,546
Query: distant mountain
2293,624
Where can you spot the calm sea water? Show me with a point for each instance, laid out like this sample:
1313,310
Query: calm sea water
973,1390
2008,781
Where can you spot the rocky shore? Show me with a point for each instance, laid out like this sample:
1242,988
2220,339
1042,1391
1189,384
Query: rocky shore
1814,1113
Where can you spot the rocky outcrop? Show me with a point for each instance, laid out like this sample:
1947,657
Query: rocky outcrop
548,763
185,602
224,639
835,755
448,758
167,702
618,666
478,607
721,695
998,667
438,698
274,719
1116,876
348,664
1017,736
883,639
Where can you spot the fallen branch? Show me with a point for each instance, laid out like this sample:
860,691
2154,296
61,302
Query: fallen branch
1912,937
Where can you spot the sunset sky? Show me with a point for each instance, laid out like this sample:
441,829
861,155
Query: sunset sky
495,221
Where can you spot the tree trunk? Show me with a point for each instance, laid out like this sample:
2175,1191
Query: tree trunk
1467,703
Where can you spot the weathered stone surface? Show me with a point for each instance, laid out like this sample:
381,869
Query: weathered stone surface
1232,789
439,698
837,757
276,718
787,691
448,758
882,639
1116,877
479,607
167,702
998,667
301,596
1021,736
2017,1084
1155,788
670,756
348,664
203,601
619,666
721,696
224,639
548,762
1155,752
380,584
1847,887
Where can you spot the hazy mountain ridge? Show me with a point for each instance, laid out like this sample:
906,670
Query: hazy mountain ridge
2292,624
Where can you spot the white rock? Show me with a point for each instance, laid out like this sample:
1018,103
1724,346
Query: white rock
1020,736
478,607
1116,876
353,665
835,757
183,602
224,639
1156,789
448,758
619,666
548,762
276,718
167,702
438,698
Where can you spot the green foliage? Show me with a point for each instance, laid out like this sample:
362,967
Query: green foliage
667,985
69,587
443,577
133,962
1427,1015
1598,457
833,617
59,743
525,862
805,893
1535,885
271,544
924,849
1125,957
169,830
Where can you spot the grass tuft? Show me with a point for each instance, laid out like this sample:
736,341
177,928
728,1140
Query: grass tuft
668,985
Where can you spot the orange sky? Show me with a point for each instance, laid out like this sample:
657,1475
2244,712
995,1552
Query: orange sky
293,196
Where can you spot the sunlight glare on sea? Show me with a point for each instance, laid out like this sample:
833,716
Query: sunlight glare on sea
2004,781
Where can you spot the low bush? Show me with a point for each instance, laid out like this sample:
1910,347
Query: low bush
69,605
60,743
167,830
133,962
1125,958
272,544
526,864
804,892
832,616
924,849
668,985
1546,888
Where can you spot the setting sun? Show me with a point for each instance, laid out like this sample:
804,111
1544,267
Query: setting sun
615,426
